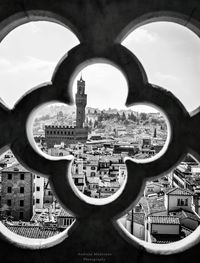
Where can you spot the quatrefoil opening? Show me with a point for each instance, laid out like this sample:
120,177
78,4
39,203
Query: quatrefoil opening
140,91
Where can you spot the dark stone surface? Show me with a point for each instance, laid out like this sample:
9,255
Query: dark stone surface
100,25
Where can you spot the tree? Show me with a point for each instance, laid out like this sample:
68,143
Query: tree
155,133
132,117
123,118
155,121
118,116
95,123
143,116
126,122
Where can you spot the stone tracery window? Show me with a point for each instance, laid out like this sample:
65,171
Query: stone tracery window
184,135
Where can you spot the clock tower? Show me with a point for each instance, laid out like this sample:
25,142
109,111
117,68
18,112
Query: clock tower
81,101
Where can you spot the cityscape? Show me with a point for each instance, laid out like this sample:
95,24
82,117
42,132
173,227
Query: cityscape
99,140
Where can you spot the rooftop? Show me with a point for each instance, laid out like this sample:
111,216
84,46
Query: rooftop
65,213
183,214
164,239
16,167
33,231
167,220
179,191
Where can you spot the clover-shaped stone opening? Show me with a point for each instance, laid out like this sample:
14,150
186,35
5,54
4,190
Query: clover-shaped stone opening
29,55
99,138
168,211
168,52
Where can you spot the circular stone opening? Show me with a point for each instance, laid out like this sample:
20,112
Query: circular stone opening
167,211
29,55
168,52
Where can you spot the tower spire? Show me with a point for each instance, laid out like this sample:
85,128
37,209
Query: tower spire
81,78
81,102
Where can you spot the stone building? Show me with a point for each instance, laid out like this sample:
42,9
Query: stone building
55,134
17,193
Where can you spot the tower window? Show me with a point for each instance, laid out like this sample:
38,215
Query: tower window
21,203
21,176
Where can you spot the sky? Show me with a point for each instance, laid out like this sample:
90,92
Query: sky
170,54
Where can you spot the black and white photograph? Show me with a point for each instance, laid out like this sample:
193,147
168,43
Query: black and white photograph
99,131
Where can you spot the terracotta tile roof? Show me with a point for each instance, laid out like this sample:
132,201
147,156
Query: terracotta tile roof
64,213
164,239
183,214
168,220
16,167
179,191
191,215
33,231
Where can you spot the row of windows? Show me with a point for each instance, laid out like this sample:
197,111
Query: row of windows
9,190
9,202
10,176
68,221
182,202
109,189
57,140
61,132
21,215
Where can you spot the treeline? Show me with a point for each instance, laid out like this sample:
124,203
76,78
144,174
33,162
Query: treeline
43,118
103,116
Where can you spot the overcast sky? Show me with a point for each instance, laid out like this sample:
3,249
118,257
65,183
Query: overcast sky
170,54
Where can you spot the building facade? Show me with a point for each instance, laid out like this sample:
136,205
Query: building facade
17,193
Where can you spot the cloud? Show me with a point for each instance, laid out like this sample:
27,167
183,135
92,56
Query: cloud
165,77
4,63
34,27
140,35
28,65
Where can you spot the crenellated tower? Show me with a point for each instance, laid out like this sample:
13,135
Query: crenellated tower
81,102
